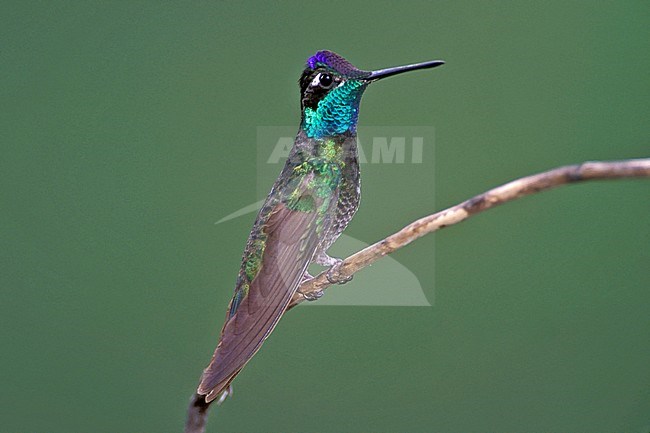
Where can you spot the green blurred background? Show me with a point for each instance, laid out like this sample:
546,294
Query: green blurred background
129,128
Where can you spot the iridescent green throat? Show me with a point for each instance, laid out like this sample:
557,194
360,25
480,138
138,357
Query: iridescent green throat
336,113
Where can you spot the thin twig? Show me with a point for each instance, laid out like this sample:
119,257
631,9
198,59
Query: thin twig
198,410
508,192
197,414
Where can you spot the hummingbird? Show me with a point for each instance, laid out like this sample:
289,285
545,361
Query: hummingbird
310,204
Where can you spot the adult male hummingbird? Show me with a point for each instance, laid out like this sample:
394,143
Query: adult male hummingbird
310,204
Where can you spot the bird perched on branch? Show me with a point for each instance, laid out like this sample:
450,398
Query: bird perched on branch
309,206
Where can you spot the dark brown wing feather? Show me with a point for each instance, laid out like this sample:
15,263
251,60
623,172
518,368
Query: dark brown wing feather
291,241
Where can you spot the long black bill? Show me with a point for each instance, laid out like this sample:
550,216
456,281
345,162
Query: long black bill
383,73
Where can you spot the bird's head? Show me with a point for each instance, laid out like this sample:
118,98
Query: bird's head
331,89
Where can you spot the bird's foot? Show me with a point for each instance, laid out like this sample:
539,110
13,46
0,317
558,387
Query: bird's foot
312,296
334,273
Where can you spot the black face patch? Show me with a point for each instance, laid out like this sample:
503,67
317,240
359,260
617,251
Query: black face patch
315,84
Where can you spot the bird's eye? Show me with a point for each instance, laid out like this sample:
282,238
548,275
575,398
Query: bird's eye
325,81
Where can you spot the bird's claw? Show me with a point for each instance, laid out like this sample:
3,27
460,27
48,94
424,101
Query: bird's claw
312,296
333,274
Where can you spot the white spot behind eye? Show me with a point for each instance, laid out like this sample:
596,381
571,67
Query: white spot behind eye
316,81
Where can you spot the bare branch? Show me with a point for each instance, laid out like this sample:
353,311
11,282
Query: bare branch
198,409
197,414
508,192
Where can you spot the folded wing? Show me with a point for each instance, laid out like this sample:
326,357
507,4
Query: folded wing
290,236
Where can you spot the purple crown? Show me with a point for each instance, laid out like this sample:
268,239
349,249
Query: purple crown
333,61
